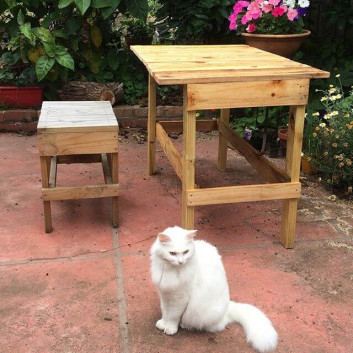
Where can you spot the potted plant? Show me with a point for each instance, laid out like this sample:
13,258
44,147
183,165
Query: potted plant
18,83
275,25
137,31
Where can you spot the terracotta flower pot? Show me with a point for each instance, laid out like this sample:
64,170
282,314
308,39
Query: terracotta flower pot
21,97
281,44
283,136
306,166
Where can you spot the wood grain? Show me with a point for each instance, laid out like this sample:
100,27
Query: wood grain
180,64
246,193
247,94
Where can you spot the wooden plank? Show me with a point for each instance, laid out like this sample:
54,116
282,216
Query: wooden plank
80,192
219,63
266,168
53,171
170,150
177,125
115,180
151,126
106,170
246,193
293,159
79,158
247,94
189,150
77,143
77,117
222,142
45,184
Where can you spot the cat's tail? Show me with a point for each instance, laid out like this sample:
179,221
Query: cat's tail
258,328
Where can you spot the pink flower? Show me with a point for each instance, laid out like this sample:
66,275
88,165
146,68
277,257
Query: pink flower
237,8
251,28
232,17
233,26
278,11
266,8
274,2
244,20
292,14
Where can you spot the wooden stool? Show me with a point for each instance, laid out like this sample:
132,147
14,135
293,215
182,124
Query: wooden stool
78,132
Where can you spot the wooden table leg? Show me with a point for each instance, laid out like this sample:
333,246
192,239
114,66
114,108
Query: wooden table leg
188,177
45,168
151,125
293,158
222,142
115,179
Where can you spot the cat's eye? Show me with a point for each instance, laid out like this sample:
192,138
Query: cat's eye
185,252
172,253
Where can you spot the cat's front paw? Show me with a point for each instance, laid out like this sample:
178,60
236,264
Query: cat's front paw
168,329
160,325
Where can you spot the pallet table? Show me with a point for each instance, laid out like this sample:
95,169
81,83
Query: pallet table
78,132
224,77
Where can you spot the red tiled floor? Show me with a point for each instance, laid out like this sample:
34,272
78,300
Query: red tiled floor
70,291
62,306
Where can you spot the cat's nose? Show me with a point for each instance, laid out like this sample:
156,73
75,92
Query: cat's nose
180,261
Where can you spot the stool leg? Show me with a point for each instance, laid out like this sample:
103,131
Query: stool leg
151,125
293,158
222,142
115,180
188,178
45,169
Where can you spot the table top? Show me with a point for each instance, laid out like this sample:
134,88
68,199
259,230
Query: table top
77,116
181,64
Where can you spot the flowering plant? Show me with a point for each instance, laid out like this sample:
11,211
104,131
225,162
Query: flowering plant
332,153
269,16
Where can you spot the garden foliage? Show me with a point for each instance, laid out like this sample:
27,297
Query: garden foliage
65,39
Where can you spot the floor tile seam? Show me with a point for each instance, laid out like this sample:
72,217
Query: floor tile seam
55,259
274,245
122,306
6,176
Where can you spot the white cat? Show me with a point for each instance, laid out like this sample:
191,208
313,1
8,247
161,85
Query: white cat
194,291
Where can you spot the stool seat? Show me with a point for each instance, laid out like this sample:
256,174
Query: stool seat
78,132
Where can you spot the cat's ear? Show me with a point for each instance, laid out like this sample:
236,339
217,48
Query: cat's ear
163,237
191,234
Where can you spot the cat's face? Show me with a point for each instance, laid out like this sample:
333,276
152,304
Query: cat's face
176,245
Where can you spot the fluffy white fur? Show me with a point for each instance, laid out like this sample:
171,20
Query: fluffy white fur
194,292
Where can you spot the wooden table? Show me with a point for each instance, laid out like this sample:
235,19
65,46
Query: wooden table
224,77
78,132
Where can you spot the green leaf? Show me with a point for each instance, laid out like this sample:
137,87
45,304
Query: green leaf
20,18
83,5
27,32
64,3
11,3
66,60
99,4
107,11
113,59
137,8
73,24
60,33
43,65
50,49
43,34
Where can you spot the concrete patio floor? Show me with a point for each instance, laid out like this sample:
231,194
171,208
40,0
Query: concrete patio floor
86,287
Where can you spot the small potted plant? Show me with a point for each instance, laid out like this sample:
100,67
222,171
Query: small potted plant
18,83
273,25
138,32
